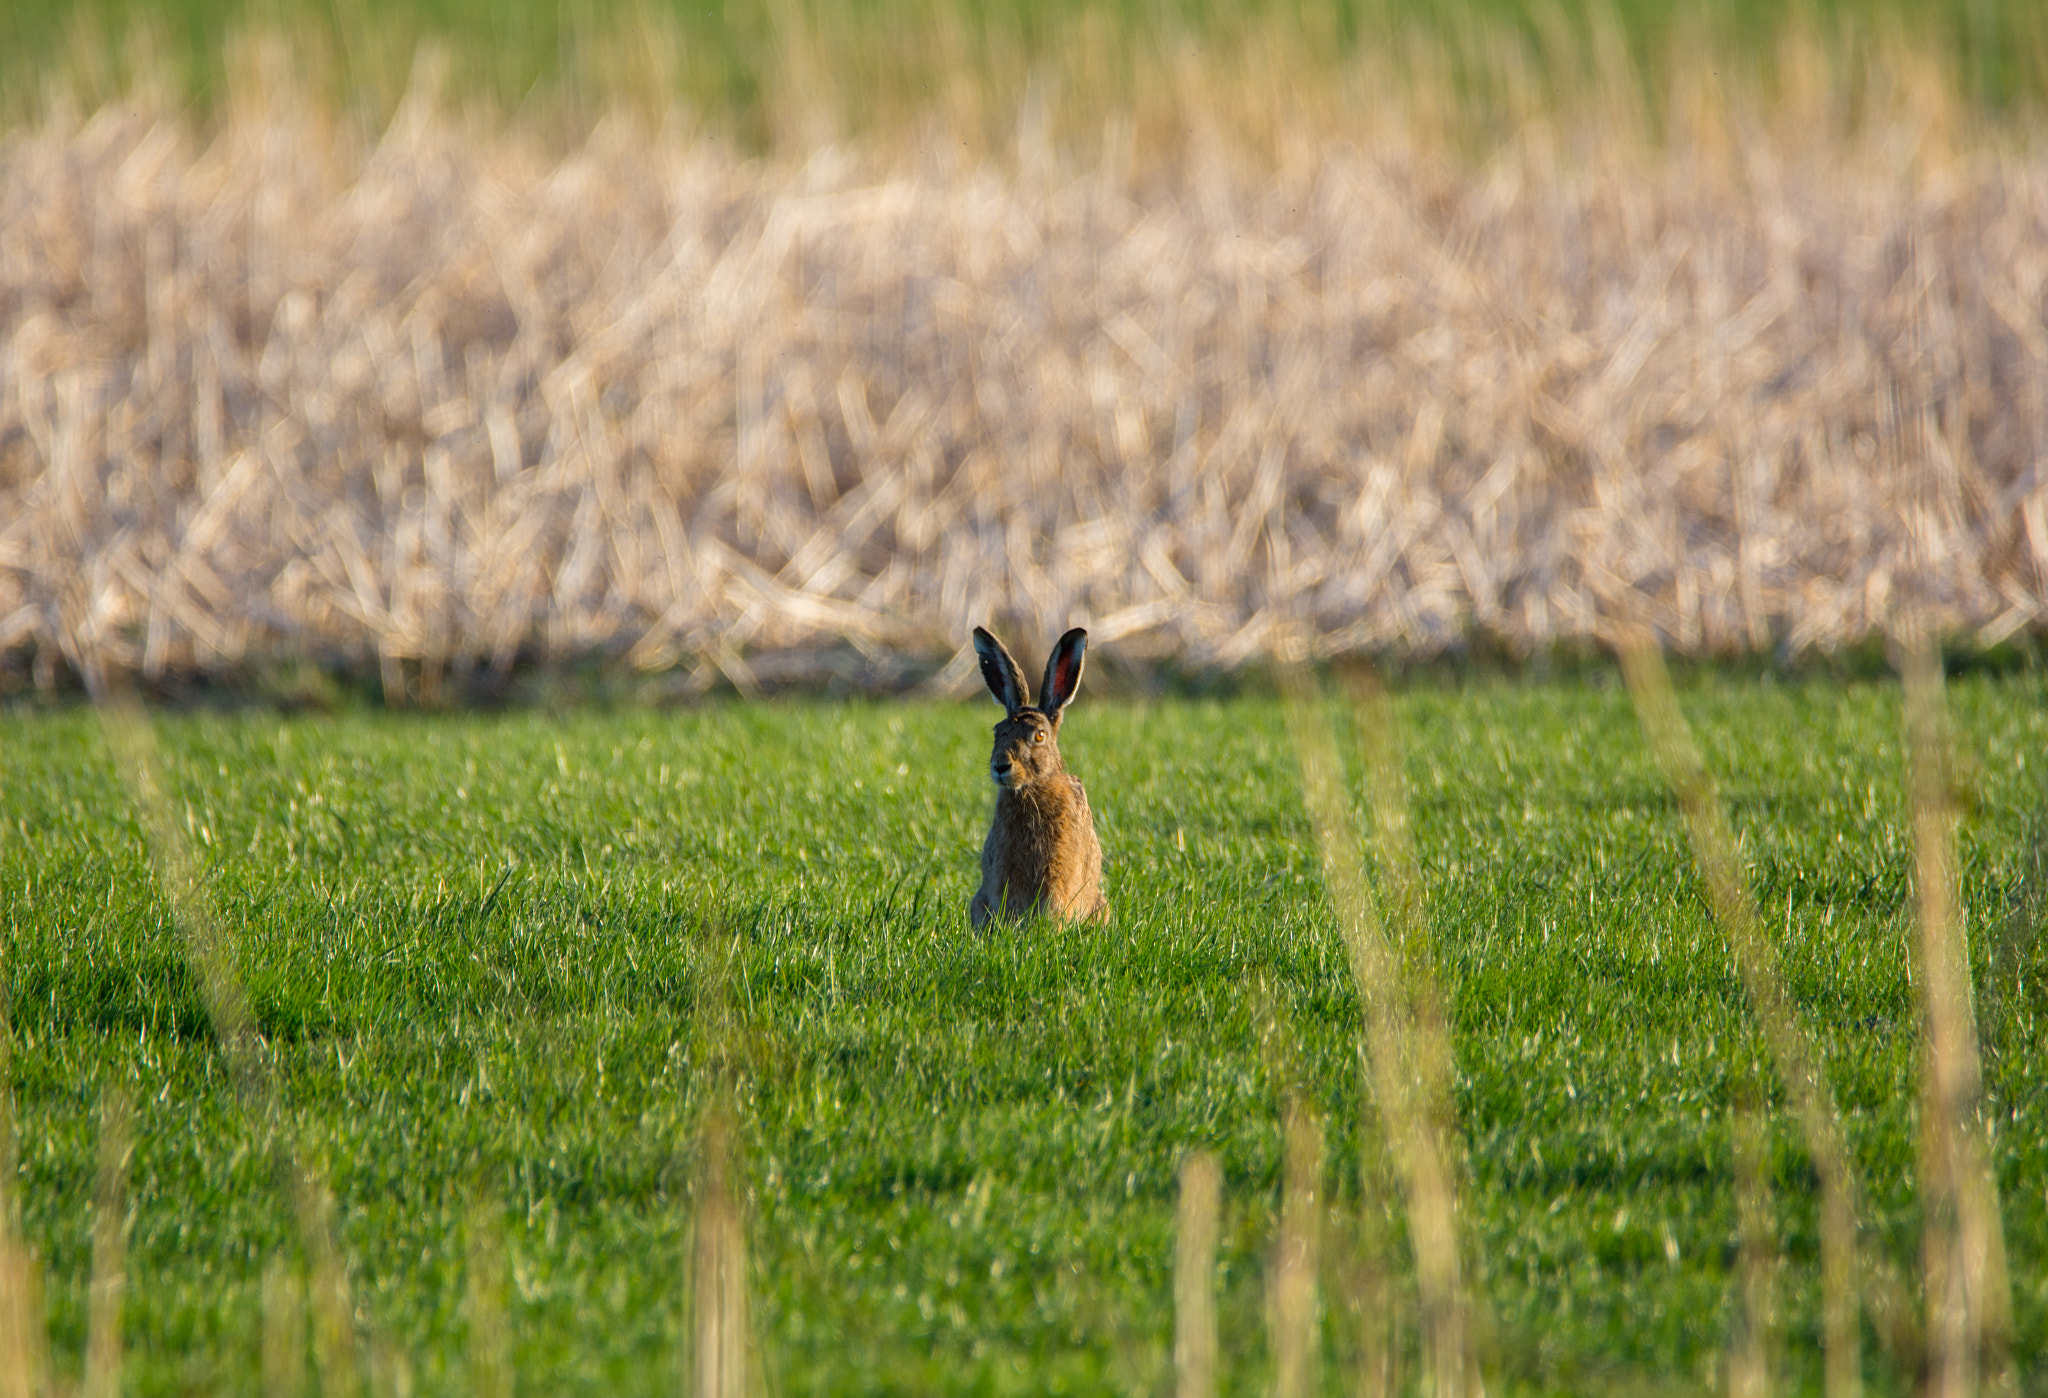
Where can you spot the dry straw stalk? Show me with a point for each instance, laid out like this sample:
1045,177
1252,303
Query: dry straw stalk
22,1336
1293,1314
490,1336
1762,974
1751,1365
1197,1219
109,1245
282,1358
1969,1298
1407,1051
131,739
720,1353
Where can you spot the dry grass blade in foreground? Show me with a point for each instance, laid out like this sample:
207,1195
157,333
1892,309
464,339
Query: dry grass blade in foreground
452,398
1751,1356
109,1245
721,1337
1194,1276
490,1340
22,1337
283,1356
1291,1301
1757,965
1968,1297
132,742
1408,1054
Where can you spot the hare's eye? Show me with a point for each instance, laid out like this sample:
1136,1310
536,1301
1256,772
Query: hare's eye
1038,735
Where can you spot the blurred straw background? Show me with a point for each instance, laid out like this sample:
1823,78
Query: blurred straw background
1197,349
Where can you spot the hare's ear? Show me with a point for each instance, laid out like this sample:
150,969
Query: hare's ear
1005,681
1063,672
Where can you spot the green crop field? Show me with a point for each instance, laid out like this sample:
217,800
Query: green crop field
502,963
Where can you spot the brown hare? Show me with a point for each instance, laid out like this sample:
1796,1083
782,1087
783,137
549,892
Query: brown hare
1041,855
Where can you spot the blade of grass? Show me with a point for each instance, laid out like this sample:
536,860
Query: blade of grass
1368,1294
1750,1368
284,1331
1968,1296
131,739
1407,1053
109,1245
490,1354
719,1332
21,1321
1429,1043
10,1217
23,1335
1194,1276
1369,1288
721,1270
1291,1286
1762,974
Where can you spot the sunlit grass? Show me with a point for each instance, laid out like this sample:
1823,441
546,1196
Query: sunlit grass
477,950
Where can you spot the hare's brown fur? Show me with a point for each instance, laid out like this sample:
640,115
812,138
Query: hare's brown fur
1041,854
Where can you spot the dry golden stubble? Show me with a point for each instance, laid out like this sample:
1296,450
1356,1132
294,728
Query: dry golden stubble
461,396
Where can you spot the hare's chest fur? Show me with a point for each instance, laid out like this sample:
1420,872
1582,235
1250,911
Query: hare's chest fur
1041,855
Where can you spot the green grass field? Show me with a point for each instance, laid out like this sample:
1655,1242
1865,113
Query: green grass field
511,957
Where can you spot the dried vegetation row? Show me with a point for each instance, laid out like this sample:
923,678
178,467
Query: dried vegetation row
448,398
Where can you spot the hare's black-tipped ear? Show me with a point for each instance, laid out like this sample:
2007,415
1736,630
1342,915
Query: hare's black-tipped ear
1005,681
1063,672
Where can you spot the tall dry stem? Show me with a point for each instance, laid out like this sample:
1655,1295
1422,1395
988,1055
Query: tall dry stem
10,1216
283,1358
719,1332
24,1366
131,739
21,1310
1194,1276
1291,1285
1407,1053
1762,974
1968,1296
109,1244
490,1348
1750,1366
1367,1291
720,1360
